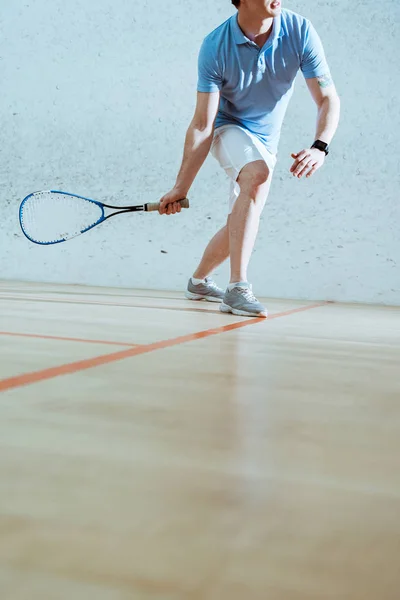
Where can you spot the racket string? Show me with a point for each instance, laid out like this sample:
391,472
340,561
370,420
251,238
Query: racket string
50,217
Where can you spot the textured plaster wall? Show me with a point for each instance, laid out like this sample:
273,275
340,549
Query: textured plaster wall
96,98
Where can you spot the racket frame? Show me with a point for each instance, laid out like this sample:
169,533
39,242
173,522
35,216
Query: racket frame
118,210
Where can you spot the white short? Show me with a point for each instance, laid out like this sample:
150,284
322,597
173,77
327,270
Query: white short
234,147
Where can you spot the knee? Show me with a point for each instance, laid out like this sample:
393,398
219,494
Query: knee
253,178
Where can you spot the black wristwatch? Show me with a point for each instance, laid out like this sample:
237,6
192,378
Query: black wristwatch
321,146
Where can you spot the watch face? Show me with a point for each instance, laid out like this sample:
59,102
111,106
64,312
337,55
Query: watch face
321,146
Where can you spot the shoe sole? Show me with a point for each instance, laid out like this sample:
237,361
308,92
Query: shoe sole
241,313
198,297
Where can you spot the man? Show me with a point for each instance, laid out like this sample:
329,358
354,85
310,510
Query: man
246,72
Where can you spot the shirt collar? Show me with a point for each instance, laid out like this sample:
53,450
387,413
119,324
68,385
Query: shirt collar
240,38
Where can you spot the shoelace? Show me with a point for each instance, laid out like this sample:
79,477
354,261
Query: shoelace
212,284
247,293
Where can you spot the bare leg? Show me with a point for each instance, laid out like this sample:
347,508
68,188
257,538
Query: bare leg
236,239
254,181
215,254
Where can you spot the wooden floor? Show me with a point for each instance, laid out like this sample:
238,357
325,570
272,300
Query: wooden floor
153,448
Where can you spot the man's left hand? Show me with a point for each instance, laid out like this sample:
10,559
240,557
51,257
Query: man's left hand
307,162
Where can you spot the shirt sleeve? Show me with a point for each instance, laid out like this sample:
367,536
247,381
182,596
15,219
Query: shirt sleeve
313,63
209,76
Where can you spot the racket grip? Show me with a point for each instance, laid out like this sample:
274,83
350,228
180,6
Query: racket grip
154,206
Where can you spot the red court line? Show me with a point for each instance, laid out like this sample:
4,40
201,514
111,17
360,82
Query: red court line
65,339
89,363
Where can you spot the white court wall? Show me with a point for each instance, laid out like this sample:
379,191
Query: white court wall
95,99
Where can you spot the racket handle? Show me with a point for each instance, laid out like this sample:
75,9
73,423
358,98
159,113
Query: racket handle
154,206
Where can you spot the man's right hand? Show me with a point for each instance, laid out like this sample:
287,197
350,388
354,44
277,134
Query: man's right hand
198,141
169,204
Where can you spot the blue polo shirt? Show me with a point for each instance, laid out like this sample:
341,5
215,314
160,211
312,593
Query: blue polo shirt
256,84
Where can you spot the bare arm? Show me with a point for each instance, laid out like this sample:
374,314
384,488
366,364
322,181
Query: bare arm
324,94
198,141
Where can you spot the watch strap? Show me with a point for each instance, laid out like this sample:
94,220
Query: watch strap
321,146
